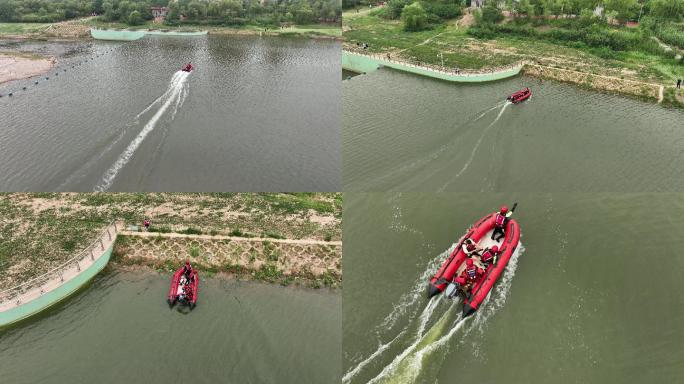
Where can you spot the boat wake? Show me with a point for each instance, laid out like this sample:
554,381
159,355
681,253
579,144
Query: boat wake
439,321
475,147
425,160
174,96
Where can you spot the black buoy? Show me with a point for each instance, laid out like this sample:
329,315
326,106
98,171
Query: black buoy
47,78
36,83
9,94
56,73
24,88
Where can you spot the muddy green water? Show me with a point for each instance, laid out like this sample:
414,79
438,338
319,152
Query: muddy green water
257,114
120,330
594,296
409,133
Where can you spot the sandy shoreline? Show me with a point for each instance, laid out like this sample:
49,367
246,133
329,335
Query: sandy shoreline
17,67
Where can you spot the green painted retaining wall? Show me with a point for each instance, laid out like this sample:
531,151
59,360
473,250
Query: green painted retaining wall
111,34
363,64
56,295
126,35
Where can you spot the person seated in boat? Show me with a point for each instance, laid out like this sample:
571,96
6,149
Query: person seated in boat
489,255
187,292
470,248
500,222
470,274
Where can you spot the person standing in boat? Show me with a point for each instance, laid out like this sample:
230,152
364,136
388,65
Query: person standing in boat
500,222
187,271
146,224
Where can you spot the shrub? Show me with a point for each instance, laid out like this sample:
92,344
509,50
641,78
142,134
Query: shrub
135,18
414,17
395,8
491,14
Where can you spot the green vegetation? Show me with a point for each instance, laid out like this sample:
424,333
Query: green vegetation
21,28
181,12
414,17
40,231
624,39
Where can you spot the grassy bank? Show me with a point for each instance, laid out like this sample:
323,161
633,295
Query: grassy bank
81,29
40,231
311,264
460,44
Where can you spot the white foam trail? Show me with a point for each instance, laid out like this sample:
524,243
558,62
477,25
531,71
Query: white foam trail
174,93
477,145
498,295
417,291
392,367
358,367
494,301
416,364
481,115
424,319
155,102
179,102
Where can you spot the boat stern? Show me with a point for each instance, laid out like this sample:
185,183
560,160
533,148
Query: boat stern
468,310
433,290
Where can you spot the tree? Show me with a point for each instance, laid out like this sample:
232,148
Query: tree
7,10
414,17
491,14
134,18
667,9
624,9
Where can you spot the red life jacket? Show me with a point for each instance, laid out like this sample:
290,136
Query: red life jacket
500,220
487,256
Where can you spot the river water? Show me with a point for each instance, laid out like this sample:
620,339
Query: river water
256,114
120,329
410,133
591,296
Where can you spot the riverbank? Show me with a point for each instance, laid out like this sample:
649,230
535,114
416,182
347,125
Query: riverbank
18,65
42,231
312,263
450,45
80,30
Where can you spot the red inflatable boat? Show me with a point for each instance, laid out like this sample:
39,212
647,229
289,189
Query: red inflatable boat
520,96
183,290
480,233
187,67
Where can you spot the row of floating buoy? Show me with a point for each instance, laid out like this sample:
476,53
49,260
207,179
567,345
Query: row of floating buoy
10,94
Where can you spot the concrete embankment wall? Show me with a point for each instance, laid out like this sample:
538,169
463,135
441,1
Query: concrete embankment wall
128,35
117,35
291,258
57,294
364,63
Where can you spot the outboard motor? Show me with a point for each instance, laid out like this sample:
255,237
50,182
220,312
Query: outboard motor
452,290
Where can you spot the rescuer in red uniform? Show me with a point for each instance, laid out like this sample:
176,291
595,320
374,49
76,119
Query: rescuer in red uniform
470,274
500,223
